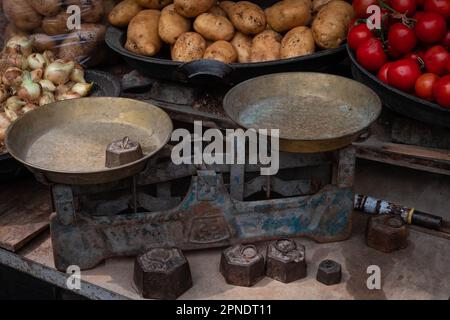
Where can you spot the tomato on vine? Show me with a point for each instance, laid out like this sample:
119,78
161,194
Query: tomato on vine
371,55
402,74
431,27
424,86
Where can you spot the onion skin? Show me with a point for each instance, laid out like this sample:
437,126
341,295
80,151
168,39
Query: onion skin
4,93
47,97
29,90
47,85
12,77
82,89
59,72
36,75
19,44
36,61
28,107
14,103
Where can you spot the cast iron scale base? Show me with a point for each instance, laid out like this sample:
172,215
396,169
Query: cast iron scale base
311,196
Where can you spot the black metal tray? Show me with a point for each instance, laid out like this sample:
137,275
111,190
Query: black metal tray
213,72
399,101
105,85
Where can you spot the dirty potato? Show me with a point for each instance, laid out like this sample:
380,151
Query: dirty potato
172,25
226,6
319,4
189,46
22,14
330,26
142,35
243,46
81,44
193,8
122,13
222,51
154,4
266,46
214,27
56,25
43,42
288,14
218,11
247,17
297,42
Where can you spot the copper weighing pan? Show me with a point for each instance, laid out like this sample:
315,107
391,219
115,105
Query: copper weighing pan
65,142
314,112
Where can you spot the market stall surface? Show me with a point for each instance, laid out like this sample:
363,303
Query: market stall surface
421,271
418,272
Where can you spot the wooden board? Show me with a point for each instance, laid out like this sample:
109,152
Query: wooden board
25,207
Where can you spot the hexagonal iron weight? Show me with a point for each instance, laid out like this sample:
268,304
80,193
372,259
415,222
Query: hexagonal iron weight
286,260
387,233
121,152
242,265
162,274
329,272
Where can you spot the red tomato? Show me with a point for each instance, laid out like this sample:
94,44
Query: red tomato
431,27
360,7
448,66
418,15
424,86
415,55
446,41
402,74
441,92
370,54
358,35
436,59
404,6
383,73
401,39
420,3
439,6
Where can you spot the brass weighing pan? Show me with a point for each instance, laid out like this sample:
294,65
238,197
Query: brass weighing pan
65,142
314,112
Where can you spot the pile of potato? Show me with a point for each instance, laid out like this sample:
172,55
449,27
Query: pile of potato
230,31
46,21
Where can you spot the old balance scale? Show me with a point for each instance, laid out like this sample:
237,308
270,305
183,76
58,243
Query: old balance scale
112,195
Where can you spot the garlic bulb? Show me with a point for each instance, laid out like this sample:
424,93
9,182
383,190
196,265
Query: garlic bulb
19,44
14,103
47,97
82,88
59,71
77,74
29,90
12,76
47,85
36,61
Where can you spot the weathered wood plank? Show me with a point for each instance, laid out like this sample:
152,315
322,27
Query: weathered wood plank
25,208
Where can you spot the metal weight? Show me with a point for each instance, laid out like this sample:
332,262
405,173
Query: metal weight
242,265
286,260
387,233
329,272
162,274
